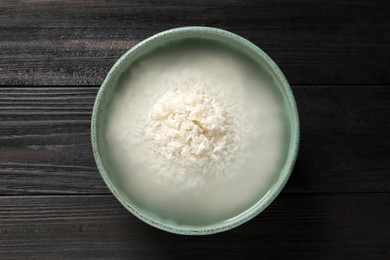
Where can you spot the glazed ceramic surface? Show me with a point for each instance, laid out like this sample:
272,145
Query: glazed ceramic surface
110,85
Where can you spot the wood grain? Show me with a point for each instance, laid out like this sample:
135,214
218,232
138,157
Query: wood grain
76,42
45,140
55,54
320,226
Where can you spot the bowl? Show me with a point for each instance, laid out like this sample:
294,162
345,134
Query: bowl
111,83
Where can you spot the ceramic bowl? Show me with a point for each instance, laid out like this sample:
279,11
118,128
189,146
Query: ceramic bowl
111,83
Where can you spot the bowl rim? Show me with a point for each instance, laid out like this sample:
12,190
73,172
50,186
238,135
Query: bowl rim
276,187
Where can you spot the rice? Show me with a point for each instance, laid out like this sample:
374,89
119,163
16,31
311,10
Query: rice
195,135
190,127
193,130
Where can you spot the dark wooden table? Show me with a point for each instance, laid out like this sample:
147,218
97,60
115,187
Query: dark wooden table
55,54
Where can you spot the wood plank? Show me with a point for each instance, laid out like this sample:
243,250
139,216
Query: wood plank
300,226
45,140
76,42
345,139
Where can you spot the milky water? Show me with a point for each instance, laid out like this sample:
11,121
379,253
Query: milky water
229,186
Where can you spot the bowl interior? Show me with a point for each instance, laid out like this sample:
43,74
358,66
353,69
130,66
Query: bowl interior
112,82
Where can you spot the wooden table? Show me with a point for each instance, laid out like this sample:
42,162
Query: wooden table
54,56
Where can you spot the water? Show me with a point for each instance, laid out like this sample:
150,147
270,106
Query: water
223,192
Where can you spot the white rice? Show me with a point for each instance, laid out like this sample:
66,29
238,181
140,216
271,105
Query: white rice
189,124
193,130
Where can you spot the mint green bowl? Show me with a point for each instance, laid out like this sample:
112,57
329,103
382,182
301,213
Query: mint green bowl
111,83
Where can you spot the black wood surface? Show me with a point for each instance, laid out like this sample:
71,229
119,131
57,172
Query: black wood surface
55,54
295,226
76,42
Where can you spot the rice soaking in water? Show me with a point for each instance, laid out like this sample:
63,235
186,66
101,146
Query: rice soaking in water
196,133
